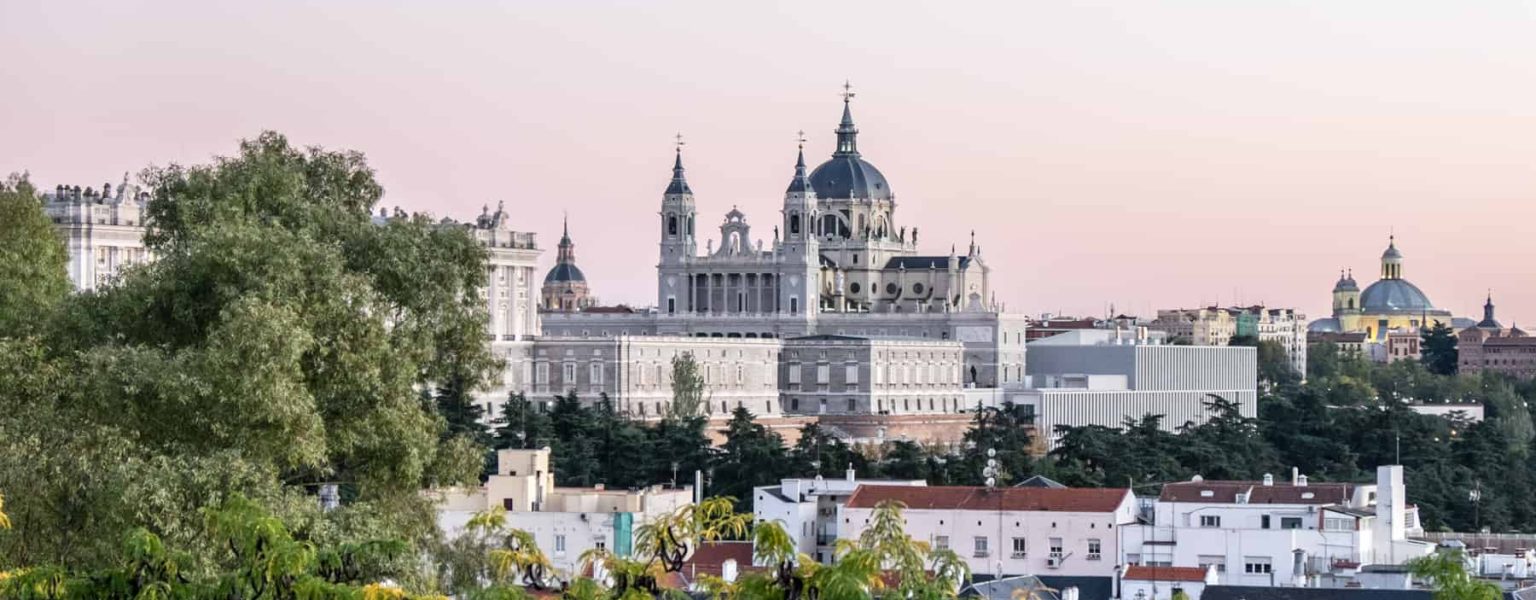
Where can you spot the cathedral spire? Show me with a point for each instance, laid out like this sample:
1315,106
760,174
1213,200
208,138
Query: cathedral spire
847,133
679,183
801,182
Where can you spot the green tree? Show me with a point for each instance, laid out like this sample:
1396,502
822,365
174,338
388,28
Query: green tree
1447,572
818,452
1004,430
1437,349
687,387
1227,445
33,280
279,341
751,456
521,424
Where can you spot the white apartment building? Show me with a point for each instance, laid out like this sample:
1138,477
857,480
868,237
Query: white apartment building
1101,377
808,508
1009,531
1216,326
564,521
1279,533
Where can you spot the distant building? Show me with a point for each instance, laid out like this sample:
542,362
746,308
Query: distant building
1216,326
1489,346
1098,377
1009,531
635,372
808,509
565,286
1152,582
1279,533
1349,344
564,521
1390,304
858,375
102,230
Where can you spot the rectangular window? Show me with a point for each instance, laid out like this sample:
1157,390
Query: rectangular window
1257,565
851,374
794,373
941,542
541,374
1095,549
1056,547
980,544
559,543
851,404
1210,521
1020,548
568,373
1336,524
1264,522
1290,522
597,373
1207,560
823,373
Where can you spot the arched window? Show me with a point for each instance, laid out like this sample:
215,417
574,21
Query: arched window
794,223
1351,303
671,224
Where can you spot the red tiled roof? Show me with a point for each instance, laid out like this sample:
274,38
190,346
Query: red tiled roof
709,557
979,498
1146,573
1225,492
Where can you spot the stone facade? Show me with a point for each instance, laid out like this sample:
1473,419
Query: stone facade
855,375
102,230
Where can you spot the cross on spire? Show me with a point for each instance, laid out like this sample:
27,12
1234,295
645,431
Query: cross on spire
680,143
847,91
800,137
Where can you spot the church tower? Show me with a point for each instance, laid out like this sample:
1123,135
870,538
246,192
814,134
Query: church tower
678,245
565,286
1392,260
800,251
1346,295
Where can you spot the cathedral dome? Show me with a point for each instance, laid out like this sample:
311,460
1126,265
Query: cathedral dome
563,273
1389,295
1324,325
848,178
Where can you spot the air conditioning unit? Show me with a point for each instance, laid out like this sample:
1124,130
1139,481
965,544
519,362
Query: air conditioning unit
1053,562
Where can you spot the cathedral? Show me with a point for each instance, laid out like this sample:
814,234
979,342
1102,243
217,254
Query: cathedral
1391,304
836,249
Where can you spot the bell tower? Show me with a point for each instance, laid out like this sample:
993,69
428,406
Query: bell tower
678,245
801,252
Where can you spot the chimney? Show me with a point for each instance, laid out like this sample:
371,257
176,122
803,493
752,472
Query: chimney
1295,473
1390,498
1301,481
849,473
1269,480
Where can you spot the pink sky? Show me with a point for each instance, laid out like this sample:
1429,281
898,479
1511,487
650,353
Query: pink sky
1146,154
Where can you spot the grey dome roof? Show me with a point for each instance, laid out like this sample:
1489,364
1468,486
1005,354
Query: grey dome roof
1346,283
848,178
565,273
1390,295
1324,325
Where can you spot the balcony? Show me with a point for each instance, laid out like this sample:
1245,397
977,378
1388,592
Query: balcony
981,554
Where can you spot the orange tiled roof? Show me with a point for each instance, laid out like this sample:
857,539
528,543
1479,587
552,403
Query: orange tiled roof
979,498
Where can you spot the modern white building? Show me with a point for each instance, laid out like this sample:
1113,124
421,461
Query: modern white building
1279,533
808,508
564,521
1102,377
102,230
1009,531
1147,582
